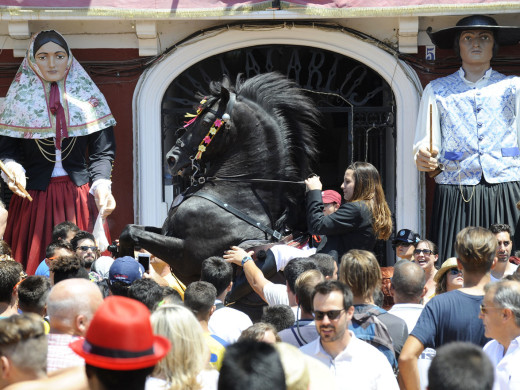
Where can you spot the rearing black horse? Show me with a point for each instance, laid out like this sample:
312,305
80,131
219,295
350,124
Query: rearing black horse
261,129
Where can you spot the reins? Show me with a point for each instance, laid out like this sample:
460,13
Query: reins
235,179
243,180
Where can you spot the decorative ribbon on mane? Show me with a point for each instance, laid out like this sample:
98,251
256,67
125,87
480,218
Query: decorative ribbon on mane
215,127
57,110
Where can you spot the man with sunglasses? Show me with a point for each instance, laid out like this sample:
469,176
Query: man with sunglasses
505,244
500,314
84,244
355,363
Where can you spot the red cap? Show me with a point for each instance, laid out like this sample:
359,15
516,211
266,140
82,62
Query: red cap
331,196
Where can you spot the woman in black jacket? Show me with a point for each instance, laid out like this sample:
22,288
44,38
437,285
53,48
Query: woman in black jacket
360,221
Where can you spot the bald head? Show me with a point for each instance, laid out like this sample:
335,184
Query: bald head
71,306
408,282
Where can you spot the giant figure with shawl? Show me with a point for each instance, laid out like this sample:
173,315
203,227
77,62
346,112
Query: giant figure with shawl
52,117
468,132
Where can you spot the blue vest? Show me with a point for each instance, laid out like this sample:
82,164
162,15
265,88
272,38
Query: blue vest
478,127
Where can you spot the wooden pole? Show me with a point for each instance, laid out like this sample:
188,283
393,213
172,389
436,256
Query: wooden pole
438,169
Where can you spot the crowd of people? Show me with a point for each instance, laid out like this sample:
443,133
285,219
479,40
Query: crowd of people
80,320
97,322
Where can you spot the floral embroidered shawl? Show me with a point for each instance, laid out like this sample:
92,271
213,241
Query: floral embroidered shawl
26,114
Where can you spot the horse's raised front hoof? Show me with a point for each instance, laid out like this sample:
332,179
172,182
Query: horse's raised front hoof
127,241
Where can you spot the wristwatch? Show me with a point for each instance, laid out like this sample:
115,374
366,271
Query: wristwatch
246,259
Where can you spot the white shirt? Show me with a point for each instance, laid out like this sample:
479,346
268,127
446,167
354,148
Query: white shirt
359,366
510,271
276,294
507,374
409,312
285,253
228,323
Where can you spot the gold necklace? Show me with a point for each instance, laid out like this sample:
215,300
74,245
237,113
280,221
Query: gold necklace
47,142
462,193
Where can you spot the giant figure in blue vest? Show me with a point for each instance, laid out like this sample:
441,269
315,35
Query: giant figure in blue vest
475,127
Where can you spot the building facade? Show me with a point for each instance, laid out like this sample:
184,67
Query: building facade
365,64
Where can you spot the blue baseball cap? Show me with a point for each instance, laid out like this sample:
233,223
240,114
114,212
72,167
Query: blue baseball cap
125,269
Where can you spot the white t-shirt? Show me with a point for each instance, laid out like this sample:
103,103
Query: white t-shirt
510,271
410,313
276,294
228,323
285,253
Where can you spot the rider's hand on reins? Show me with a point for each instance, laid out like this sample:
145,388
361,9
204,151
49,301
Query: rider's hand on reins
313,183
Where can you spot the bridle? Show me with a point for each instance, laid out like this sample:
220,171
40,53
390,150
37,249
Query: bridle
223,118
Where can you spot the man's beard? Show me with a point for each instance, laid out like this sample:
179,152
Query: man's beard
89,261
333,336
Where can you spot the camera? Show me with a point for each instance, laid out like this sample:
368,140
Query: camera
114,249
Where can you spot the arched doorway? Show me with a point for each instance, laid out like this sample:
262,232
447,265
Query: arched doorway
357,107
385,132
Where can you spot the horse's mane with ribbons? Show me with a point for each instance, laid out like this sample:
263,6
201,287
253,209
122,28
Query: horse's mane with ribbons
289,120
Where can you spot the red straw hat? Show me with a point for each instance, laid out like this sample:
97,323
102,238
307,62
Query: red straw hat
120,337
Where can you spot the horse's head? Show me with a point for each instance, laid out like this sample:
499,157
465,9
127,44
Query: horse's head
213,117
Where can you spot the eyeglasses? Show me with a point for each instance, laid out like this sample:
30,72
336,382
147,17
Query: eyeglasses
85,248
484,309
331,314
455,271
425,251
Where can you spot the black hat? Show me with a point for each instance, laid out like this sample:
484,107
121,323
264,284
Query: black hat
407,236
504,35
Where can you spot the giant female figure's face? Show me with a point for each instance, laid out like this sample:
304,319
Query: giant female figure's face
52,60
